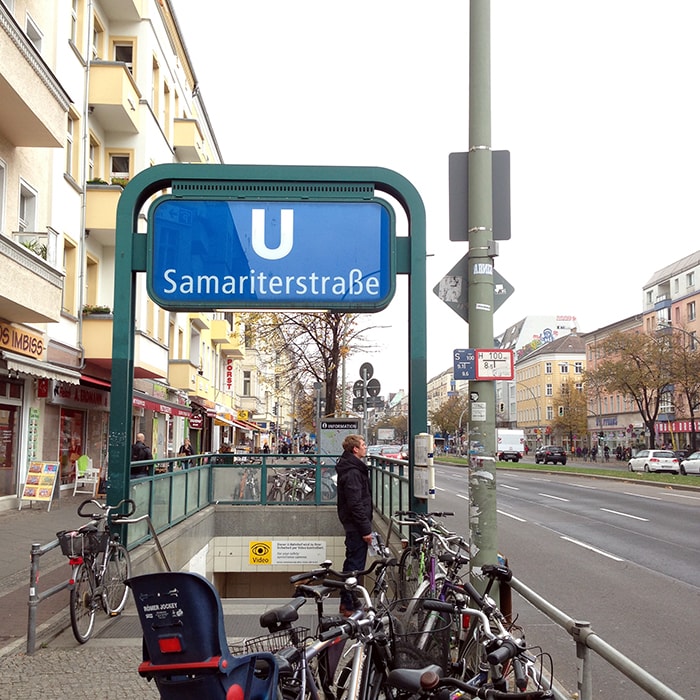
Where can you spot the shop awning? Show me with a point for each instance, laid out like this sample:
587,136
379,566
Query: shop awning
222,420
154,404
246,425
37,368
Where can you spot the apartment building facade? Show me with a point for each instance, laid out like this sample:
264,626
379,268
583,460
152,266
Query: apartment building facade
93,92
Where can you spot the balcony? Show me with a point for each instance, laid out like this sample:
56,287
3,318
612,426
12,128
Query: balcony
114,97
101,212
200,321
123,10
182,374
24,269
150,357
189,142
34,105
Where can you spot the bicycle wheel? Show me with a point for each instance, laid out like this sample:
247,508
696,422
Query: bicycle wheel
410,573
82,605
117,571
430,632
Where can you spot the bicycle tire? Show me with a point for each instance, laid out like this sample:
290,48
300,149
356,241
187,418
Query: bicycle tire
117,571
428,631
82,605
410,573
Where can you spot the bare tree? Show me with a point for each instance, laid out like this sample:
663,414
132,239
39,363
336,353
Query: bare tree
308,346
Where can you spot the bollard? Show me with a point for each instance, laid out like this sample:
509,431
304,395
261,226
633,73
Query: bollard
33,598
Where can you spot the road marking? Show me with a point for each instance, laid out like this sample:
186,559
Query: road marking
512,488
591,548
584,486
625,515
437,488
459,495
555,498
682,495
641,495
510,515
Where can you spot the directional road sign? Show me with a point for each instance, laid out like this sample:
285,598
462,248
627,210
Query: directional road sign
221,254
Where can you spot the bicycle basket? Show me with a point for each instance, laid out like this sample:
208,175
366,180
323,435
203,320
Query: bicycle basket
77,543
295,637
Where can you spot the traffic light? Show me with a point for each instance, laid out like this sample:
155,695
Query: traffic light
275,408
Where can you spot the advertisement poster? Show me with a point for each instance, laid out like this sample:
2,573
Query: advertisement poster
41,482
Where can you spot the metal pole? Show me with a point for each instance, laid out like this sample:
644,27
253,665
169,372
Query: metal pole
483,529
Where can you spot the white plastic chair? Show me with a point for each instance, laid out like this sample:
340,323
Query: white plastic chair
85,476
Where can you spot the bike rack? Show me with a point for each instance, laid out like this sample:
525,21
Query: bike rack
38,550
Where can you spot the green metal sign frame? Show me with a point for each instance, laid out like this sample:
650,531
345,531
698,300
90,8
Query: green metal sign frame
302,182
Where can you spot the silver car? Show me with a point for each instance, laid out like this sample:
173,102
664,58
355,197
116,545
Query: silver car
654,461
691,464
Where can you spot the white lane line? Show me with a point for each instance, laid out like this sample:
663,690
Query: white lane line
625,515
683,495
437,488
641,495
555,498
459,495
591,548
540,479
512,488
584,486
510,515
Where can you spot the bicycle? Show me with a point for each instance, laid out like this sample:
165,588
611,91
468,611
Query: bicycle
100,566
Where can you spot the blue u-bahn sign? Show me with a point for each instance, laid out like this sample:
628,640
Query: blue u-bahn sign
205,253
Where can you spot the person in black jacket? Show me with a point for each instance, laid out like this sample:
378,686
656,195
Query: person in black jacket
139,452
354,509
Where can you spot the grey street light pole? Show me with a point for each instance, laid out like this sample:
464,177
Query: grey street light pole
459,431
537,406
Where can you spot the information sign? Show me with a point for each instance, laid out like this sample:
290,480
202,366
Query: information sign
209,253
494,364
41,482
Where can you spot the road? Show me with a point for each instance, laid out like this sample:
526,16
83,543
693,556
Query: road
623,556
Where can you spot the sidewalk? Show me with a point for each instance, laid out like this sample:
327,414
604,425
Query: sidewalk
105,667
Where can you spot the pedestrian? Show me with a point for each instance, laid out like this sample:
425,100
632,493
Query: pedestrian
354,504
140,452
185,451
266,449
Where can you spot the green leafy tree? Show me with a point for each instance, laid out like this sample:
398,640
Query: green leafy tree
570,414
685,369
638,365
446,417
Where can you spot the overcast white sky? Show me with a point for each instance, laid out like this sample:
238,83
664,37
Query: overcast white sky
596,100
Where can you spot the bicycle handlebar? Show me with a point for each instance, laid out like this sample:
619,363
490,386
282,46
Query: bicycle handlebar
106,510
427,683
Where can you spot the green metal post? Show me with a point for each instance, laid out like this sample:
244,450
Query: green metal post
482,481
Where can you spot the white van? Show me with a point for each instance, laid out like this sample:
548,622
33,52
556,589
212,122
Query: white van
510,444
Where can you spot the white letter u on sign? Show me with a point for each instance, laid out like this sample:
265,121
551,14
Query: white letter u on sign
286,234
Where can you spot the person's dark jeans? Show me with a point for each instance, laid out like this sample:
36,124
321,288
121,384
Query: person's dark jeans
355,558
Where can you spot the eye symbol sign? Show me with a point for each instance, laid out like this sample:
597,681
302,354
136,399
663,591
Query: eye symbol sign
260,549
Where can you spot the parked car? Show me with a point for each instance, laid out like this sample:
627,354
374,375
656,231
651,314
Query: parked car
691,464
654,461
550,453
393,451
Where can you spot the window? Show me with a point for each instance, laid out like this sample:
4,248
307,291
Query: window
74,15
246,382
579,387
690,279
92,277
97,48
34,34
72,145
676,286
119,168
548,390
27,208
70,270
690,311
578,367
563,367
93,155
547,367
2,195
550,412
124,53
650,297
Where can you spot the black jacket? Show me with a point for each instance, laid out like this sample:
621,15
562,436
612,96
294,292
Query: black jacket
140,452
354,495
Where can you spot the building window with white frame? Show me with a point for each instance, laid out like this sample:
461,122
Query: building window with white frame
547,367
549,390
690,279
27,208
690,311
